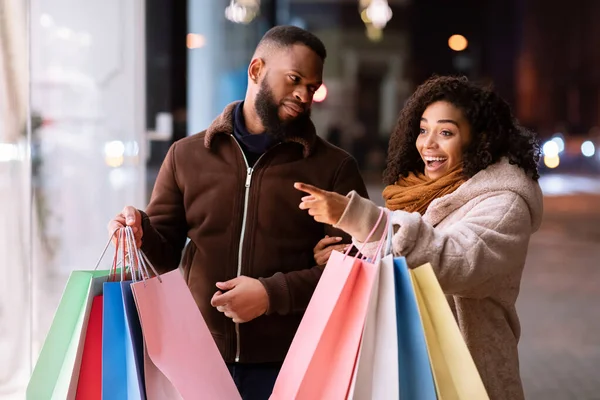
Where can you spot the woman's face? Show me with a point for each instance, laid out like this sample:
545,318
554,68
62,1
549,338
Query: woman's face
444,135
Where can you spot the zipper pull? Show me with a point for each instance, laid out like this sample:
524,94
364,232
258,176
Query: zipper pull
249,177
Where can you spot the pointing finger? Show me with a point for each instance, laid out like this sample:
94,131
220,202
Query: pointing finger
310,189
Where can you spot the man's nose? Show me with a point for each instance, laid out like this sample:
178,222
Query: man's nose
302,95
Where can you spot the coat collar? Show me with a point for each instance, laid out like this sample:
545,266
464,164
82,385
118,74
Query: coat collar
499,177
223,124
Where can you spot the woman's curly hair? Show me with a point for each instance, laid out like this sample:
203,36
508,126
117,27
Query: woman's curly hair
495,131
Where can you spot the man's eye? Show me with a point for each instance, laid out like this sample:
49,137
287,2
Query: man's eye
294,78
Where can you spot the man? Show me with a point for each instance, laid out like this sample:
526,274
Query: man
230,189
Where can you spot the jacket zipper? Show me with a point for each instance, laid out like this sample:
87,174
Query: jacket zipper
247,184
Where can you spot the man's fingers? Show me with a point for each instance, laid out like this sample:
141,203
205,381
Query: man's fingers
310,189
230,284
213,298
131,215
114,226
220,299
323,256
222,309
327,241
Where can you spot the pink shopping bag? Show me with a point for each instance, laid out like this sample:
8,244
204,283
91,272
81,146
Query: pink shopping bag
322,357
157,386
178,341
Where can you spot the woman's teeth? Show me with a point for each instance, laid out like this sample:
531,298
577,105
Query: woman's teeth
435,159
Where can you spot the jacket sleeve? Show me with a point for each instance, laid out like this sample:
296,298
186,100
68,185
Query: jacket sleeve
290,293
164,224
469,256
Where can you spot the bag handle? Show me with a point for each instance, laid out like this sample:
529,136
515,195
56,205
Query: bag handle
390,235
112,235
384,235
381,241
145,262
138,261
119,257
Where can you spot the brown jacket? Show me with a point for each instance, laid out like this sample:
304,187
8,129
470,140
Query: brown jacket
205,192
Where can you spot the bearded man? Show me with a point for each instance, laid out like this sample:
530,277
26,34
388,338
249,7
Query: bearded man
249,262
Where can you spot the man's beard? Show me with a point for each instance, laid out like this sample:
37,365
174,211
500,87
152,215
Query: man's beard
268,113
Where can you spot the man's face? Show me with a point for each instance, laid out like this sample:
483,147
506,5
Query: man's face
284,99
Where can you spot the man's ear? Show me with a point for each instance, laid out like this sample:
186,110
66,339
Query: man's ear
255,69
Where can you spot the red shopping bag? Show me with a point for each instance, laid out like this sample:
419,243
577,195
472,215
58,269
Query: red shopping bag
89,386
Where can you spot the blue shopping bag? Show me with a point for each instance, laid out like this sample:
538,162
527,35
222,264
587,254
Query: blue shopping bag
114,358
414,368
134,343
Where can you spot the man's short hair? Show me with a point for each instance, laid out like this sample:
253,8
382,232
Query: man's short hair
286,36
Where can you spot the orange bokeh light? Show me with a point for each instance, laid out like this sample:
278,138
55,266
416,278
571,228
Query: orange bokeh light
458,42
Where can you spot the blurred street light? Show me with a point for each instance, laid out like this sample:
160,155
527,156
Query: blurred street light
559,142
378,13
458,42
374,34
242,11
588,149
552,161
195,41
320,94
550,149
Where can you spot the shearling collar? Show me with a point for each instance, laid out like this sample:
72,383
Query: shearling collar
499,177
223,124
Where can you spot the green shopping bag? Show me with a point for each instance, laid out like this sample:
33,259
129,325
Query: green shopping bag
56,371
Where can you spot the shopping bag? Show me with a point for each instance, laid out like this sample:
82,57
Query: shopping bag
414,369
157,386
376,374
56,371
120,367
456,375
114,359
193,364
321,360
377,365
89,385
134,343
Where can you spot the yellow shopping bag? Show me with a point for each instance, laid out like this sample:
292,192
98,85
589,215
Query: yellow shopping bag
456,376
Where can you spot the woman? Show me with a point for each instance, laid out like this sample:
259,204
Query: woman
462,185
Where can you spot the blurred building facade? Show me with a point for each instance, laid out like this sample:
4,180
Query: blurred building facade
72,153
558,75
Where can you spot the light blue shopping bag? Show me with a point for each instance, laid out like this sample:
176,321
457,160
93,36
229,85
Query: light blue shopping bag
414,368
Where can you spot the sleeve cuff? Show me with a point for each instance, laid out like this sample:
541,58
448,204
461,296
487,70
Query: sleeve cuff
359,217
278,292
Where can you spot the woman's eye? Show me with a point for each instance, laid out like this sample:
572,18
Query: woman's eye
422,131
446,133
